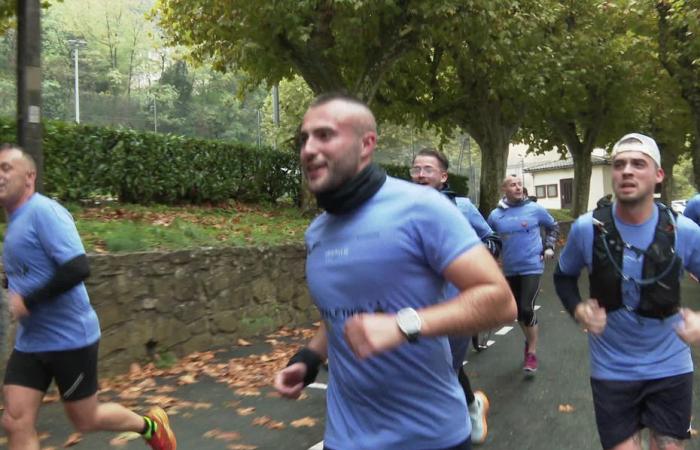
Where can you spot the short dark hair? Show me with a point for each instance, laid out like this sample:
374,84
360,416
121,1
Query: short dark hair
437,154
328,97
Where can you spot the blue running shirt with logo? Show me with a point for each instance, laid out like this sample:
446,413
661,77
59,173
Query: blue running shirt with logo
519,229
41,235
633,347
389,254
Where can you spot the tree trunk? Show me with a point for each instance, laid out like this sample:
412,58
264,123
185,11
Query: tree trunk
669,158
581,155
696,148
494,157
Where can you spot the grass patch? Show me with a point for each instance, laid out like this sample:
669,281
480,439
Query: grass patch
561,215
129,228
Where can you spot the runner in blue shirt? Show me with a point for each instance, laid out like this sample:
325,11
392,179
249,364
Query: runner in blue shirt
634,250
58,332
518,220
692,209
430,169
377,261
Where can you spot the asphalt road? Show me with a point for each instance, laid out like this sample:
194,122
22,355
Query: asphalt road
550,411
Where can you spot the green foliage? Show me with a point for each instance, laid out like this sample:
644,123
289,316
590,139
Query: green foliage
83,161
561,215
332,45
120,227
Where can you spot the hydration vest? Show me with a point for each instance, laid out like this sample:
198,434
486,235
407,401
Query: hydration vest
659,295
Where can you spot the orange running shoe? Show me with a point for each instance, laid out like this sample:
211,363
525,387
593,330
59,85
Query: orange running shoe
163,438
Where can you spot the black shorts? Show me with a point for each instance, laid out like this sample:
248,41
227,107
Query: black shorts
466,445
75,371
624,407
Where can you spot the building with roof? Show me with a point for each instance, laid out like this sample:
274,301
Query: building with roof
551,178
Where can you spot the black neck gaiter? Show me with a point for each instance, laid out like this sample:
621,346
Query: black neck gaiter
354,192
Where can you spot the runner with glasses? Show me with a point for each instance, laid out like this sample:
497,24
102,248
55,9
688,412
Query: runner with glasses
430,169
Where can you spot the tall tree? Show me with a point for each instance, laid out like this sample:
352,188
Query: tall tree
478,72
333,45
679,51
597,67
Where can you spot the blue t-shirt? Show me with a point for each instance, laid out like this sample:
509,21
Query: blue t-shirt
519,229
692,209
474,217
389,254
633,347
41,235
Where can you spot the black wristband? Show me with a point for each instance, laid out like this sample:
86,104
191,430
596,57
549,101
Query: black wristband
312,360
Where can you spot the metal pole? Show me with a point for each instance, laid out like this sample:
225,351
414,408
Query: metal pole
258,124
276,105
77,85
75,44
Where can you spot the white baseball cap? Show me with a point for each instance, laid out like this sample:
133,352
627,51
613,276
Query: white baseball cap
636,142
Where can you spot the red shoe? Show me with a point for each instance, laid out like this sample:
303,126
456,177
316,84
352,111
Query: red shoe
530,365
163,438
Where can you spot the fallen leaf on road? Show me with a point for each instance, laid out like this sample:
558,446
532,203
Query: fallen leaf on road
187,379
304,422
275,425
248,392
566,408
243,343
245,411
201,405
73,439
222,435
262,420
241,447
135,369
122,439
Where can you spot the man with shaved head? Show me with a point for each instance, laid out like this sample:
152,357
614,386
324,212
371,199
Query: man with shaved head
377,260
518,221
58,332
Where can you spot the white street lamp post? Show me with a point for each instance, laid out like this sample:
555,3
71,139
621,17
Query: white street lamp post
75,44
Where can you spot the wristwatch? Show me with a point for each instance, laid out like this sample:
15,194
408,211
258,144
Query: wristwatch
409,323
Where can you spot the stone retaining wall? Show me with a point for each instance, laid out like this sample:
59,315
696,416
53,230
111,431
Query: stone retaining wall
155,302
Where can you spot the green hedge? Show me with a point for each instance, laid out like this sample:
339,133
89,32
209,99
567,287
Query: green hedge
82,161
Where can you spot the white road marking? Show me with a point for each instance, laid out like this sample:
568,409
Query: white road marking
318,386
318,446
503,331
489,343
537,307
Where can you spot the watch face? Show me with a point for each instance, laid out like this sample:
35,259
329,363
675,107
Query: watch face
409,322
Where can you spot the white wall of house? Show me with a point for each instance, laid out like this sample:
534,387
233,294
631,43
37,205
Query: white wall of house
601,184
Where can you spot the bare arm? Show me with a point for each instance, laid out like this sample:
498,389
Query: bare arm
319,343
485,301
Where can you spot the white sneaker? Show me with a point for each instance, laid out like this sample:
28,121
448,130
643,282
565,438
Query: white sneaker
477,416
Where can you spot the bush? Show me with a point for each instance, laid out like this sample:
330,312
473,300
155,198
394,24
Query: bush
84,161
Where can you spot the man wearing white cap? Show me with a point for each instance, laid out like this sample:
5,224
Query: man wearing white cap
635,251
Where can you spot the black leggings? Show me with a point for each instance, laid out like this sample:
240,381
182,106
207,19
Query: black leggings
525,289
